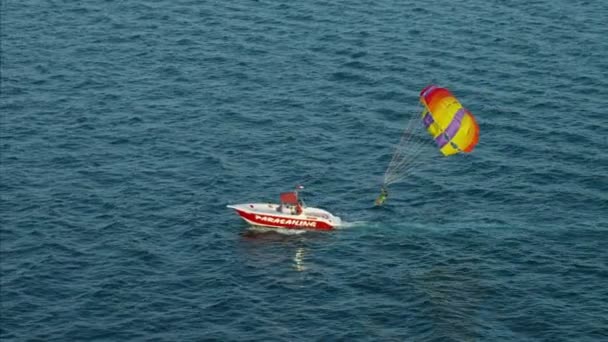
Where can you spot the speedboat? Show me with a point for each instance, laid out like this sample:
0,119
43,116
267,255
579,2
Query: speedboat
290,213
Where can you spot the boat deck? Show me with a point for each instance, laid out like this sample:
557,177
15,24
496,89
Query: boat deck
266,208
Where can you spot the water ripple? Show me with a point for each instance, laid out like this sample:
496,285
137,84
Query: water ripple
128,126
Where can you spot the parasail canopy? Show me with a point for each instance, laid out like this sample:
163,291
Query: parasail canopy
452,126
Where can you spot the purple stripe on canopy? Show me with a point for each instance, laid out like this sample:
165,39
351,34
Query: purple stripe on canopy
453,127
441,140
428,120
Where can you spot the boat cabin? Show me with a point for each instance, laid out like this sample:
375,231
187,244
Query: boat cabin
290,203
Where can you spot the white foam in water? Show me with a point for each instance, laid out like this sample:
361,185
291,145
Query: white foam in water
345,224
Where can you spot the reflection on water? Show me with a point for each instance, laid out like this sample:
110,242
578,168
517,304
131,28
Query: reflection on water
298,260
273,245
257,231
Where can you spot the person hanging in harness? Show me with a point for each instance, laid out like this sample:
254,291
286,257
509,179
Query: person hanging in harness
382,197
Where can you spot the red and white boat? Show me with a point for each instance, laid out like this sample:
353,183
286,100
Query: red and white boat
291,213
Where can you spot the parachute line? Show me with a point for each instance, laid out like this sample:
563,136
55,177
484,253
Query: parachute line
410,146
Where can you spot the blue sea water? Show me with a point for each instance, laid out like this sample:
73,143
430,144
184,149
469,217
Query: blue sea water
127,126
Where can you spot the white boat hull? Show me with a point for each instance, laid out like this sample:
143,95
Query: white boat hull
276,216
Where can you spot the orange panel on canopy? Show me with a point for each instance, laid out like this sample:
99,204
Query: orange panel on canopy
289,197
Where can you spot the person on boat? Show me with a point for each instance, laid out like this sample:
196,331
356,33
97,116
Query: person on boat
382,197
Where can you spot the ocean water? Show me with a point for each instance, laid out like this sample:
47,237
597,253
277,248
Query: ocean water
128,126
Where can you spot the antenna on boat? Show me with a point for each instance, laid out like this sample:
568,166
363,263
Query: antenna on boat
296,190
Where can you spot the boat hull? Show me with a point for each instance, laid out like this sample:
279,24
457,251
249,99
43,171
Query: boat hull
263,215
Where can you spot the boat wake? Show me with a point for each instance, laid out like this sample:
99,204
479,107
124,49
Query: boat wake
346,225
